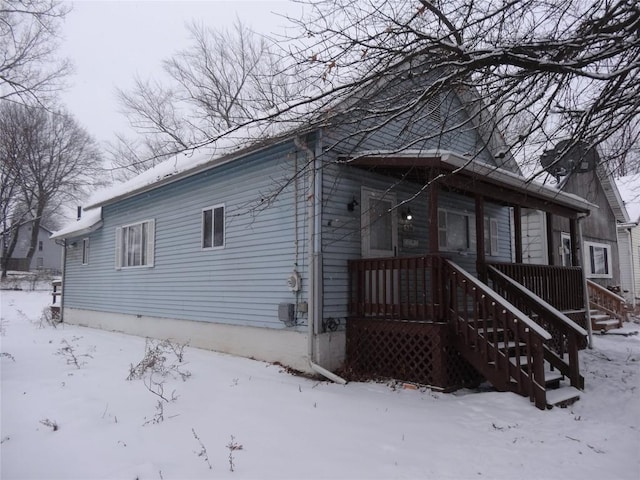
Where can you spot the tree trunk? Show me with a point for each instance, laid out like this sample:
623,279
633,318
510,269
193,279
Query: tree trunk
13,234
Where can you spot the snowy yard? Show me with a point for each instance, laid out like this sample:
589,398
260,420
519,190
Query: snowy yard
88,421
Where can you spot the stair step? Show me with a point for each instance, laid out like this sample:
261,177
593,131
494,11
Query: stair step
599,316
552,379
510,345
481,331
562,396
605,323
553,376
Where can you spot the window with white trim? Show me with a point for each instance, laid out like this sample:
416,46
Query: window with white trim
597,260
491,244
213,230
135,244
85,251
454,230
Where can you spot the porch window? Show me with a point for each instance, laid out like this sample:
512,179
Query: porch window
454,230
491,244
598,260
213,227
85,251
135,245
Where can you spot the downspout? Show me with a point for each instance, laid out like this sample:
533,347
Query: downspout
64,269
584,282
633,268
315,258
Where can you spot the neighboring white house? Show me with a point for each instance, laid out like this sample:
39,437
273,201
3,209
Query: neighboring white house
48,254
629,239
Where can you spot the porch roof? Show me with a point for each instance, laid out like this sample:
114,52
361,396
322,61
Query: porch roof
462,173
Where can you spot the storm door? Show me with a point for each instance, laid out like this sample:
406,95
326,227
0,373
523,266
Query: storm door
379,230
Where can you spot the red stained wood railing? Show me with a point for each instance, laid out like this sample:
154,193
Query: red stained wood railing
500,341
567,336
406,288
605,300
561,287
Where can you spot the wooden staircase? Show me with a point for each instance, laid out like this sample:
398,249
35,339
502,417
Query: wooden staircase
608,310
504,343
557,391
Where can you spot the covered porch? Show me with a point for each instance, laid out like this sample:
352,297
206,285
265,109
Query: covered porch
425,319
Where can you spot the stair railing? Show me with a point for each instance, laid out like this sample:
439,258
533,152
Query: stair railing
605,300
567,335
499,340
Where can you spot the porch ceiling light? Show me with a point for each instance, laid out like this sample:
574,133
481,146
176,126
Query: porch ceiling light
407,215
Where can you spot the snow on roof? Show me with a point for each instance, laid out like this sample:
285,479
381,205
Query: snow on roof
629,188
226,147
91,220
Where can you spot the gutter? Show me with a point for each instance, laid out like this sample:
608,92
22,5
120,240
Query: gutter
315,258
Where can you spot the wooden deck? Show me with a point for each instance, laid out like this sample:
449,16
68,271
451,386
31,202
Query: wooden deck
425,319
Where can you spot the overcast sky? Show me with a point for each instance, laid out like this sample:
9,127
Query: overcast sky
110,42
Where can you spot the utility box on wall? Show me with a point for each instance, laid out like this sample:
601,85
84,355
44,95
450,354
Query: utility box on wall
287,314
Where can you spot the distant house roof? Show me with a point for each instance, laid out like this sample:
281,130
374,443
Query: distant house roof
629,190
613,195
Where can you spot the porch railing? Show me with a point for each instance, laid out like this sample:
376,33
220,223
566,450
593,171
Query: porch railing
567,336
561,287
504,344
606,301
406,288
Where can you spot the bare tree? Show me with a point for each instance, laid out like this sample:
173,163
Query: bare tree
224,80
53,161
546,70
30,72
530,73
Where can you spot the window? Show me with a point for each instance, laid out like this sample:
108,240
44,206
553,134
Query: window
40,246
135,245
213,227
598,260
454,230
491,245
85,251
39,263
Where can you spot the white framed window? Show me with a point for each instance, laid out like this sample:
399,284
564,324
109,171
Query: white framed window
85,251
213,227
454,230
491,243
135,245
597,260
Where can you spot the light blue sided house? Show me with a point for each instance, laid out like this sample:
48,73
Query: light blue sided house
352,248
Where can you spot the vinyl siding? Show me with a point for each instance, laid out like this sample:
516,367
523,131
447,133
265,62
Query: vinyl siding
241,284
442,125
341,239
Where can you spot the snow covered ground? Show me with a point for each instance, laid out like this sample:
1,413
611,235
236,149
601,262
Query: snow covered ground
62,421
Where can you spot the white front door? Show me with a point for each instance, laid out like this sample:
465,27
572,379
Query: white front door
379,224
